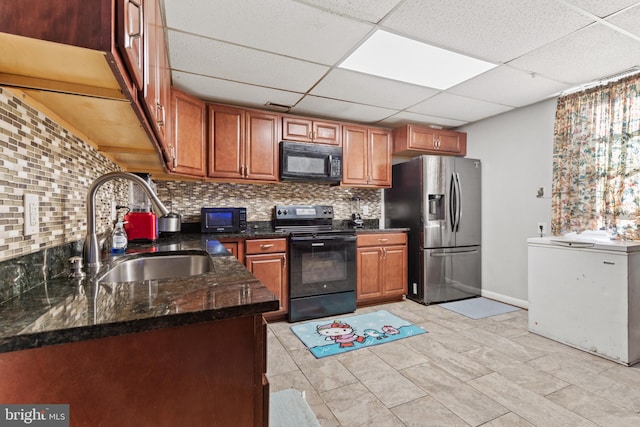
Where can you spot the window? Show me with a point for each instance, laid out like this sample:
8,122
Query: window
596,160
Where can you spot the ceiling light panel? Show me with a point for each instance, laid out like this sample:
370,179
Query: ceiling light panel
395,57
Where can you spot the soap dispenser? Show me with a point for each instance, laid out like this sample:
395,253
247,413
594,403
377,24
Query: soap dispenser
119,238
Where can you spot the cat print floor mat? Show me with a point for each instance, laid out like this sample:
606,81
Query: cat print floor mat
328,337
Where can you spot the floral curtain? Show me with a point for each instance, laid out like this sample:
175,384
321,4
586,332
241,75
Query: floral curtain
596,160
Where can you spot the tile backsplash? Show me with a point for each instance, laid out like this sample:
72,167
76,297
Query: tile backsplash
39,156
187,198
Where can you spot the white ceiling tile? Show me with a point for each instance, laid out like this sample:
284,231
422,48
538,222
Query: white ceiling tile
602,8
224,91
508,86
628,20
280,26
458,107
366,89
585,55
421,119
340,110
494,30
250,52
241,64
367,10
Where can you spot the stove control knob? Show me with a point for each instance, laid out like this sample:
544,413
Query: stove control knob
279,212
286,211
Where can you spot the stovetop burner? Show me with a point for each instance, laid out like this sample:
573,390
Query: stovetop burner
305,219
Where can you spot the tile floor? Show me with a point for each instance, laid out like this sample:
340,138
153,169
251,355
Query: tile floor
464,372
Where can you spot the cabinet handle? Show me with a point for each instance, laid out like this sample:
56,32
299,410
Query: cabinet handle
284,261
609,262
172,154
160,107
138,33
266,246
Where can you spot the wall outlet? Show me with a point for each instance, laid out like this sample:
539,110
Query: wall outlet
365,210
31,214
542,229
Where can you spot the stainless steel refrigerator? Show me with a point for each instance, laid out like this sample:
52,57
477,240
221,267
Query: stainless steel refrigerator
438,199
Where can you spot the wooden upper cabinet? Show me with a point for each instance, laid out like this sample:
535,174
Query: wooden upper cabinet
380,145
308,130
415,140
130,38
188,139
367,156
243,144
261,140
226,142
156,94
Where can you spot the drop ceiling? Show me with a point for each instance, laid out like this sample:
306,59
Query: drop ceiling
284,54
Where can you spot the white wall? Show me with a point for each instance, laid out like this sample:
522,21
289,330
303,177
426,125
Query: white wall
516,151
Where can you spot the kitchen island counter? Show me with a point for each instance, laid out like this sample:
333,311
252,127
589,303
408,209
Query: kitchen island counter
64,310
181,351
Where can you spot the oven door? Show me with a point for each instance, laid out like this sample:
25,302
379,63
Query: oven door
321,265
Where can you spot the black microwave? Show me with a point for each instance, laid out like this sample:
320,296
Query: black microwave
223,220
308,162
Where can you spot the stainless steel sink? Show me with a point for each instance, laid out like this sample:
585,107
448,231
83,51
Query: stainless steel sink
159,265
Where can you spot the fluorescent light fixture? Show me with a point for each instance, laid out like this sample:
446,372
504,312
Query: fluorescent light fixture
398,58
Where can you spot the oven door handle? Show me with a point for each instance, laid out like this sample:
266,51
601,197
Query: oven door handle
316,239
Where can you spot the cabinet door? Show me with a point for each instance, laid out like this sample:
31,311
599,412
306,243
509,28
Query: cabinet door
369,274
452,142
261,140
157,81
326,133
296,129
151,61
354,153
164,82
130,38
271,270
394,278
380,146
422,138
189,136
232,247
226,139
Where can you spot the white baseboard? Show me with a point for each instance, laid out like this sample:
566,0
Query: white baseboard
506,299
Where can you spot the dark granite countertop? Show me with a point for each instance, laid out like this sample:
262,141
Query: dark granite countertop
65,309
381,230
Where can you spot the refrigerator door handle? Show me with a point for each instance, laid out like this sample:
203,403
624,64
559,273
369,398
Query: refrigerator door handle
452,203
445,254
458,202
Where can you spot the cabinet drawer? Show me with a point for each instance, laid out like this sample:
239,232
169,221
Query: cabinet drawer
265,246
382,239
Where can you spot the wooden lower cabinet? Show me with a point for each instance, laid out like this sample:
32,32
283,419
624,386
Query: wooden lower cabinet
267,260
205,374
235,248
381,267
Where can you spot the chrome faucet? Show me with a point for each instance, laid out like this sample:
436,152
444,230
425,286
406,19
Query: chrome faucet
91,244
